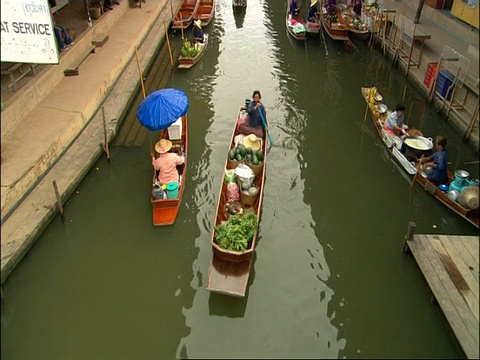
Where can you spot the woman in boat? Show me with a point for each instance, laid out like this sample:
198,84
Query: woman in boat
357,8
331,6
166,163
294,8
438,161
313,14
394,123
254,124
198,34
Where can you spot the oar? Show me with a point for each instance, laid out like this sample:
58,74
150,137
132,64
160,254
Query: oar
265,126
416,173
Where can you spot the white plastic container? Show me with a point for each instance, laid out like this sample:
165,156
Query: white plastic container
175,130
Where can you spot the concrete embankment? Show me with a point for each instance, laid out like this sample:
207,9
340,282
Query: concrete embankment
63,144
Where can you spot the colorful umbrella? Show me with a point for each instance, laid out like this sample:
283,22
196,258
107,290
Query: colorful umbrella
162,108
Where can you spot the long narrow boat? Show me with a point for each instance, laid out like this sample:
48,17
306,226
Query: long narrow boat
184,16
186,62
205,11
392,145
294,24
229,270
334,25
165,211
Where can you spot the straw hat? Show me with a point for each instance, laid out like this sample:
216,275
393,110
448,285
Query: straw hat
163,146
251,141
198,23
313,2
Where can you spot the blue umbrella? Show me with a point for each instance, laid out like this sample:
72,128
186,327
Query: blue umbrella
162,108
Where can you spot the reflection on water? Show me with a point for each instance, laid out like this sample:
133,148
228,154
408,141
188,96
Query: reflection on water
328,278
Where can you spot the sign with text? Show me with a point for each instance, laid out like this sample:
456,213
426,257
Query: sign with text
27,33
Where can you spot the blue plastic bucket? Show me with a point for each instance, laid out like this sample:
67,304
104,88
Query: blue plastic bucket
172,190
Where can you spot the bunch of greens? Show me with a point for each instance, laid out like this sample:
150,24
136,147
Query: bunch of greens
236,233
188,50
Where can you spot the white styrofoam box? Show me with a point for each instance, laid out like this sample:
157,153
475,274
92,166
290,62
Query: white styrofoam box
175,130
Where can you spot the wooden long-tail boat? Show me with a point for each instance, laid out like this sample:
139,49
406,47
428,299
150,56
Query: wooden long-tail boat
351,19
334,24
184,16
187,62
313,27
165,211
205,11
229,270
391,144
291,21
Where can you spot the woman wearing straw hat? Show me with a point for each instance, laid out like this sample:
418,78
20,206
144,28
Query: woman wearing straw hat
198,33
313,14
166,163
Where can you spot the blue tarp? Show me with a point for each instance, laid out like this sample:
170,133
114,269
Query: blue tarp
162,108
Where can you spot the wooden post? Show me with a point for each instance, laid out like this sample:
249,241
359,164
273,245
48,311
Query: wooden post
416,172
181,26
472,123
140,73
168,43
410,112
409,235
455,87
171,8
105,135
59,200
410,53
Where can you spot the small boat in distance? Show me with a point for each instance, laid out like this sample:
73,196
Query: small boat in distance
186,62
295,24
184,16
165,211
205,11
334,24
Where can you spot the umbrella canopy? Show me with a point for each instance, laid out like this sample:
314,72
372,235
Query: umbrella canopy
162,108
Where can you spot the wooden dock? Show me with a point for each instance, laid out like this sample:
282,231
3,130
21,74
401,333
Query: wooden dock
450,266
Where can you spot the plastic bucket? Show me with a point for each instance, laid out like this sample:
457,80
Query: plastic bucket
172,190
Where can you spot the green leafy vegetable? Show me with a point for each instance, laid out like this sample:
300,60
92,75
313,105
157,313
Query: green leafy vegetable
237,232
188,50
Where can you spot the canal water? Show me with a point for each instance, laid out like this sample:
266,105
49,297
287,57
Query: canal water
329,278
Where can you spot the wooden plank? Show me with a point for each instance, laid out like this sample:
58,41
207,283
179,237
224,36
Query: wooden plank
470,277
466,340
455,274
471,244
228,278
466,255
452,292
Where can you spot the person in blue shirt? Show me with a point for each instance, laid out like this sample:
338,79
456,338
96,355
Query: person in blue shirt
313,13
198,34
254,124
294,8
438,161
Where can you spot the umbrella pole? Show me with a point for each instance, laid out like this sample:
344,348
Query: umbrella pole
168,43
181,26
140,73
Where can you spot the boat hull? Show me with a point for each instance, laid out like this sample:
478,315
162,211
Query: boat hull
205,12
336,32
184,16
296,36
165,211
187,63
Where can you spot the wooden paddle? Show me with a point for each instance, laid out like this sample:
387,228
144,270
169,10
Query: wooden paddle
265,126
416,173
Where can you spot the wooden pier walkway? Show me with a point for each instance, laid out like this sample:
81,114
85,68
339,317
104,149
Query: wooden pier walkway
450,266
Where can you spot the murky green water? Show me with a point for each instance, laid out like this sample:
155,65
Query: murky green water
329,277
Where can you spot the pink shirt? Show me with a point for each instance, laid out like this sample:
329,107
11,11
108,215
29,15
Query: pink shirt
167,163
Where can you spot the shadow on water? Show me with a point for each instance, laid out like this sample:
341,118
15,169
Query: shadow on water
239,15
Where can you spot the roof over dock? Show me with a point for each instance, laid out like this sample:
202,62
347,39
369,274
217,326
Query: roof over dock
450,266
